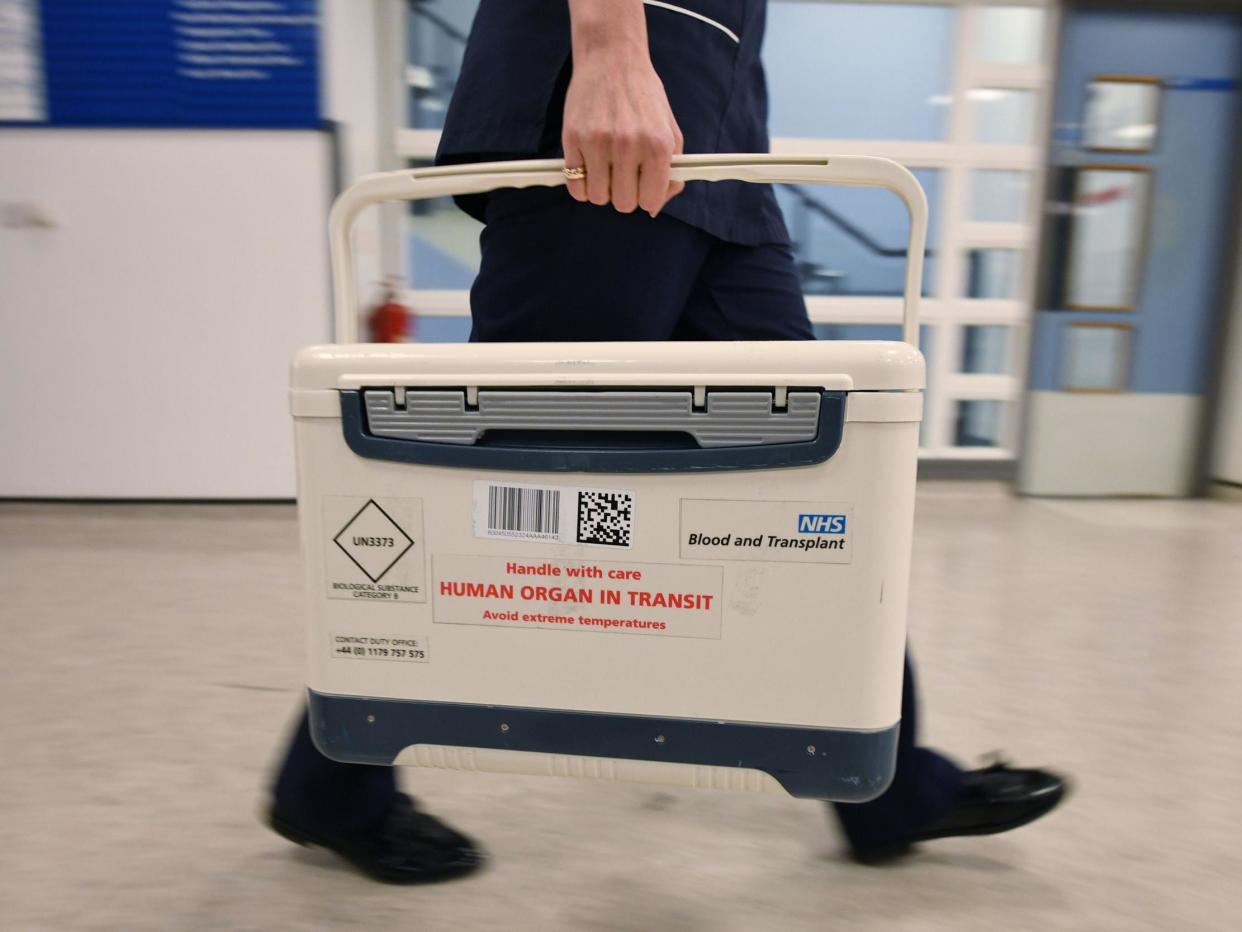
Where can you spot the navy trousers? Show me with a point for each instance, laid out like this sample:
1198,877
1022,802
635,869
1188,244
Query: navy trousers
554,269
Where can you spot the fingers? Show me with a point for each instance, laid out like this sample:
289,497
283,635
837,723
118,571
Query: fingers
591,155
628,169
619,129
626,161
653,183
674,187
598,167
574,159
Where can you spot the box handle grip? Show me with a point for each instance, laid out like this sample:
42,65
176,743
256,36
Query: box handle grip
416,184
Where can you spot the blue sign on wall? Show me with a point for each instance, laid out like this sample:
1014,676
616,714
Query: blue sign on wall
175,63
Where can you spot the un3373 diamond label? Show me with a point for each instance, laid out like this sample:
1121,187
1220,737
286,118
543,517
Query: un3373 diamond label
374,549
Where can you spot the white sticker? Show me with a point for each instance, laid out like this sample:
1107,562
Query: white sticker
574,595
374,549
554,514
782,532
402,649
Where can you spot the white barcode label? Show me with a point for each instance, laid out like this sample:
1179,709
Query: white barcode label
523,511
557,514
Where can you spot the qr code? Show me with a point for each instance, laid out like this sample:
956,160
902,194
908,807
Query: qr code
605,518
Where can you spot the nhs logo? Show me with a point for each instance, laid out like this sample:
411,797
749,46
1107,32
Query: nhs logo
821,524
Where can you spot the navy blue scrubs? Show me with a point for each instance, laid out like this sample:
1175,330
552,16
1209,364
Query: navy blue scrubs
714,265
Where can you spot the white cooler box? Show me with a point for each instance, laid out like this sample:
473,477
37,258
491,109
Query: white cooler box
680,563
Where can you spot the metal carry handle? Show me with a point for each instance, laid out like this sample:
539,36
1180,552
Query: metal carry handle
418,183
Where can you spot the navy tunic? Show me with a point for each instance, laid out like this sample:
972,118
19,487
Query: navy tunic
517,64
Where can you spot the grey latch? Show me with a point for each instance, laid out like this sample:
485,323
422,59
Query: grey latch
729,418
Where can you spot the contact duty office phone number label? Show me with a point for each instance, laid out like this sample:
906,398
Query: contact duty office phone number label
360,647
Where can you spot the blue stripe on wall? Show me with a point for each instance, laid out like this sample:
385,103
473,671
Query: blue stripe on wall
164,63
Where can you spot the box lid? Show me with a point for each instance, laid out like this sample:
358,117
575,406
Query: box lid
839,365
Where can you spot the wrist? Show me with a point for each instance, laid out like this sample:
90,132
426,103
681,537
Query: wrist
614,29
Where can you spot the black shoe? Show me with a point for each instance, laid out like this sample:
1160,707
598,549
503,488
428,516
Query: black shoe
994,799
407,846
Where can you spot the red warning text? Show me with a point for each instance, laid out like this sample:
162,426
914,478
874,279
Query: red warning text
633,598
464,589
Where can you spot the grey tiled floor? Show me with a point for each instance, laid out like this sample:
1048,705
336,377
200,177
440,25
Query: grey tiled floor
151,656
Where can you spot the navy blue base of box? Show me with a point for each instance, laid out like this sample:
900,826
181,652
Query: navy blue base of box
812,763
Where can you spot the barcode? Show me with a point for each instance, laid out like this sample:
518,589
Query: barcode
530,511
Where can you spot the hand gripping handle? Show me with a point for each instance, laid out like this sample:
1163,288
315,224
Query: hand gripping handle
414,184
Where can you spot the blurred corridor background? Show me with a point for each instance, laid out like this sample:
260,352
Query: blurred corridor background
1080,160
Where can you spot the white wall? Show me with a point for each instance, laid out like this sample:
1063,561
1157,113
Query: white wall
1227,460
145,336
1109,444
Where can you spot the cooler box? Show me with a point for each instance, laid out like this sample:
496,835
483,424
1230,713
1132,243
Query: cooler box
681,563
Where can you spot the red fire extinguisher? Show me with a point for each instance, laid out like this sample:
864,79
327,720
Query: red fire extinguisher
390,321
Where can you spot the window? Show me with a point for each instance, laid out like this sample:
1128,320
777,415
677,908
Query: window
1003,117
441,244
435,329
1011,35
1000,196
980,424
436,32
993,273
986,350
852,241
1123,114
1107,237
859,70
